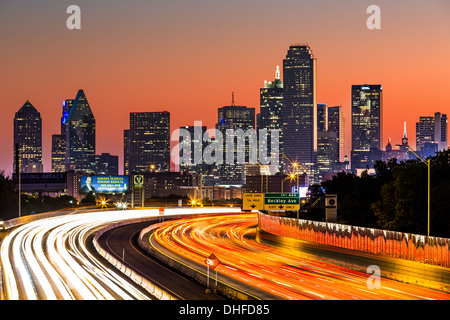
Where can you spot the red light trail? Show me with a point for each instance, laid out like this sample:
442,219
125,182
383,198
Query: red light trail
282,273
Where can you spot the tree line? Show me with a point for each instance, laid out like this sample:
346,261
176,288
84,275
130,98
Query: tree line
396,196
30,203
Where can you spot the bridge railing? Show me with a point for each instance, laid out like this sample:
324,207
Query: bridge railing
429,250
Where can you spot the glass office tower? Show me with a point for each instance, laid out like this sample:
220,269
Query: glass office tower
80,136
299,110
28,139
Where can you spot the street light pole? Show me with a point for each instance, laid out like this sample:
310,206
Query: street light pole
18,171
429,195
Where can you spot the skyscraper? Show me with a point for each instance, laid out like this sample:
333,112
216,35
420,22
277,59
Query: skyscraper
327,152
59,140
108,164
367,125
80,135
336,123
58,153
126,152
322,117
191,147
148,141
431,134
440,130
233,118
271,104
28,139
401,154
367,117
299,112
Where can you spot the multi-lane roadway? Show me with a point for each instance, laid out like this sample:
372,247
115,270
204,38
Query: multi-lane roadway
267,270
54,258
48,259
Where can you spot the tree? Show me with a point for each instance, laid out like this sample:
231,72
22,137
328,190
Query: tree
8,198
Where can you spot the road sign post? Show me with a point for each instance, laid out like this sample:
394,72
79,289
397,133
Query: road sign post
211,263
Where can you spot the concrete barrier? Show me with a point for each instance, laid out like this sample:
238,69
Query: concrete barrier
193,273
414,247
150,287
401,257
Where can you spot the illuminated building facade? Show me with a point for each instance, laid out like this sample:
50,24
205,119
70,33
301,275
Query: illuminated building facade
126,152
80,136
147,142
440,131
299,112
28,139
58,153
192,147
401,154
327,152
322,116
59,140
336,124
271,104
367,125
233,118
431,134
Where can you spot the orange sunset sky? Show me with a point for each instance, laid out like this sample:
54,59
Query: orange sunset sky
187,57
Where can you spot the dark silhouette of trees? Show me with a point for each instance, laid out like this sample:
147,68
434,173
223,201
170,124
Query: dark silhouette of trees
30,203
395,198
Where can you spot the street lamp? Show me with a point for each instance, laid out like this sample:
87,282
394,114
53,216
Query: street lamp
428,163
296,166
290,176
19,169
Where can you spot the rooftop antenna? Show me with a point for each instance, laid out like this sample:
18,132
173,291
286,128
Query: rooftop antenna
404,129
232,98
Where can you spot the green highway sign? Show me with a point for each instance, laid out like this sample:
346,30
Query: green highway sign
281,201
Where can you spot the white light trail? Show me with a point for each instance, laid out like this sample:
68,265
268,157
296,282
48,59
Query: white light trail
48,259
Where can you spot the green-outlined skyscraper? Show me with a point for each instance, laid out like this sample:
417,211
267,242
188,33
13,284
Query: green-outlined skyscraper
80,136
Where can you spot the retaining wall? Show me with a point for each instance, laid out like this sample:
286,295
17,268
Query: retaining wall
413,247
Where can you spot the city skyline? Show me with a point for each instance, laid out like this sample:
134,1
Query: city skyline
139,84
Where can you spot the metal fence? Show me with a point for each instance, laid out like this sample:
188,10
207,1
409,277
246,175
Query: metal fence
434,250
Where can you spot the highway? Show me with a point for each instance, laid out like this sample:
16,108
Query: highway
122,243
48,259
52,259
267,271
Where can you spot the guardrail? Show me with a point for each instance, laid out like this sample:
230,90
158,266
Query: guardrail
152,288
169,213
413,247
197,275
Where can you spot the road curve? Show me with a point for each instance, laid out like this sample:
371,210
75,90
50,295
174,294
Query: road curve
51,259
48,259
284,275
122,243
